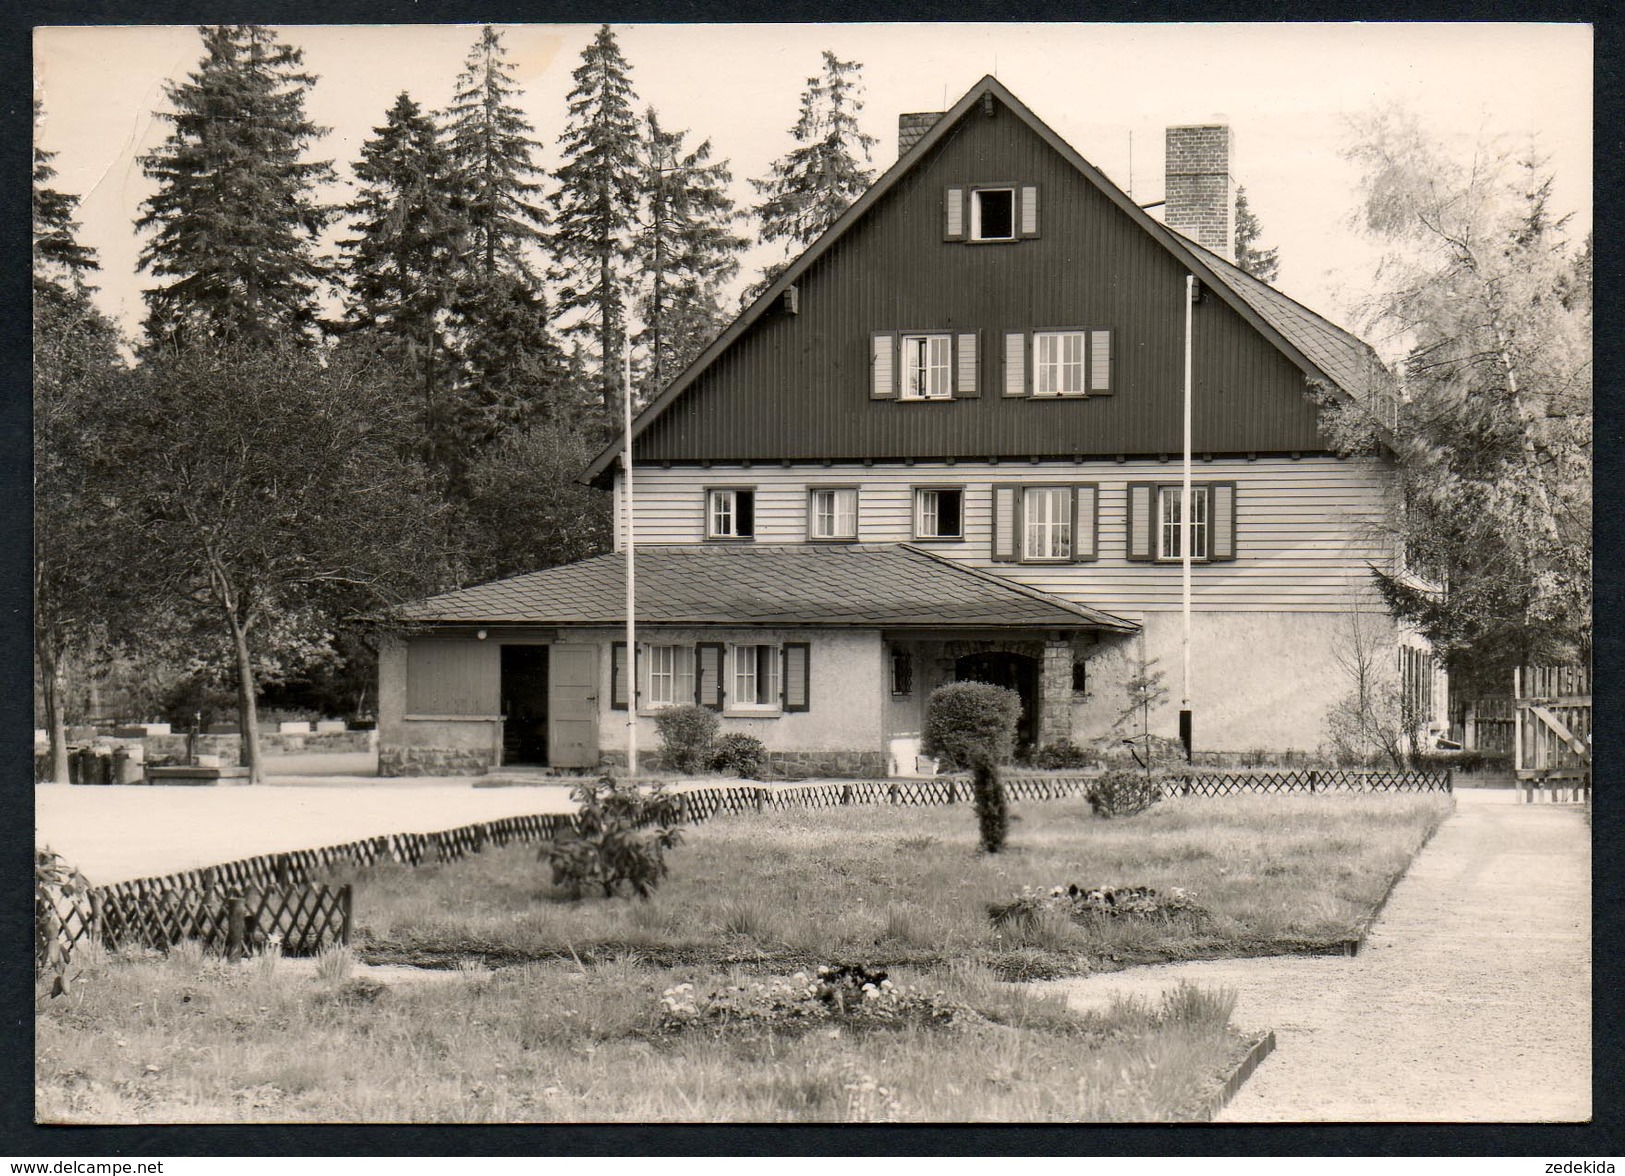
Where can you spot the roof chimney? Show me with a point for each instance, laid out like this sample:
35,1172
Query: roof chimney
1199,190
911,128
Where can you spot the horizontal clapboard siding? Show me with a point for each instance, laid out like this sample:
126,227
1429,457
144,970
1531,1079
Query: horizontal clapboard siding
1304,528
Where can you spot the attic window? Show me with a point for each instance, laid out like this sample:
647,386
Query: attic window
993,214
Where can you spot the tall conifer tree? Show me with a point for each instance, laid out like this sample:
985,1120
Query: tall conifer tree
810,187
235,220
1263,264
402,266
60,261
686,251
597,203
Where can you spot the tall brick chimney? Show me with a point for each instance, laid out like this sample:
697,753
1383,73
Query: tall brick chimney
911,128
1199,190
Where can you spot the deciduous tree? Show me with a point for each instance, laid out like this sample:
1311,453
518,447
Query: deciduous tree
1488,303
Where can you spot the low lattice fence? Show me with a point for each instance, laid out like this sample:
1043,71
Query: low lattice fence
239,905
298,920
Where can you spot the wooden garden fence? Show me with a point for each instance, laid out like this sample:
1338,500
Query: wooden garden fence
243,905
1551,738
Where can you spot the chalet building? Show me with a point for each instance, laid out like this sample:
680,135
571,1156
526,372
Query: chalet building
946,444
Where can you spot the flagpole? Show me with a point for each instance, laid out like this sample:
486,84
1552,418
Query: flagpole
629,533
1185,734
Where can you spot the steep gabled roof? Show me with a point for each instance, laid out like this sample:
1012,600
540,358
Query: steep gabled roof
1295,331
894,585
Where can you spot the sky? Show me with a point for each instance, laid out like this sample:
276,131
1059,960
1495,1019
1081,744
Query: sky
1288,91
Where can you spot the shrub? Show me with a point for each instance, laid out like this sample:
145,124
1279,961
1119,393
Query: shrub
972,724
1063,753
740,754
621,836
967,720
1123,794
686,734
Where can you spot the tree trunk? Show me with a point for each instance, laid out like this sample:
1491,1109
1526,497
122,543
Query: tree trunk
247,715
53,693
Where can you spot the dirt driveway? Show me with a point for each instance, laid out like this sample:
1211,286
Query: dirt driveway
117,833
1470,1002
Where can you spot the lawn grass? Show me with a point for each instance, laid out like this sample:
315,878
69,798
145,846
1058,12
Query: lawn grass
893,886
147,1040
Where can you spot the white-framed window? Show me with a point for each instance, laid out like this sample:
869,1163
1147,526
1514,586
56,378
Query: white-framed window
939,513
671,675
928,367
754,676
1047,514
730,514
1168,522
993,214
832,513
1058,367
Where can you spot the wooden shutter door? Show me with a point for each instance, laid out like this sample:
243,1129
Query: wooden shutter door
1100,362
1085,523
1029,212
1141,521
1006,523
1015,363
965,385
883,366
953,215
1221,520
797,676
708,688
617,675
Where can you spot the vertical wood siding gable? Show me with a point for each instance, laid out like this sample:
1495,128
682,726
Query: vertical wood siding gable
799,386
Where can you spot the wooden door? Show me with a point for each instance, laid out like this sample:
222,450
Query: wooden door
572,706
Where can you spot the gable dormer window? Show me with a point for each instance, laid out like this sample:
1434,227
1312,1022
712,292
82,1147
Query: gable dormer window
993,214
927,367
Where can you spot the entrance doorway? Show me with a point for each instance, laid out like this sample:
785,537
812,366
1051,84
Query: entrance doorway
524,704
1013,671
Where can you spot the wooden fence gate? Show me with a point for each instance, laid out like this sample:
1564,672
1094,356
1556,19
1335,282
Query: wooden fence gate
1551,737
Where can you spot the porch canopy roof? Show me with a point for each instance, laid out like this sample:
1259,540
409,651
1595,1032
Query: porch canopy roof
894,585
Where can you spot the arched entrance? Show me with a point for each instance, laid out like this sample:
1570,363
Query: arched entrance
1013,671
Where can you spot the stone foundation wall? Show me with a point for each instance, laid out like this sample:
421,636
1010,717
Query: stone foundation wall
433,761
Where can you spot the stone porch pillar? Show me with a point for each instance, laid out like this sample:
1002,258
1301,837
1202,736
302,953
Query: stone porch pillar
1055,693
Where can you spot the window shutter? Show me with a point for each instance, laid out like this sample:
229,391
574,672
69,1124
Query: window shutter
883,367
1006,524
708,689
1029,212
965,381
1141,521
617,676
1100,361
1015,363
1221,520
953,221
1085,523
797,676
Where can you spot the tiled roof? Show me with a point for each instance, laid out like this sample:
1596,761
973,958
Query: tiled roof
1343,357
894,585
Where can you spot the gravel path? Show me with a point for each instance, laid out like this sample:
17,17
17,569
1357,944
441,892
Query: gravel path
1470,1002
115,833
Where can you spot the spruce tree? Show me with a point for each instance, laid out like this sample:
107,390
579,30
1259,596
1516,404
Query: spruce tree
235,220
60,261
686,252
597,204
809,188
401,267
491,147
1263,264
